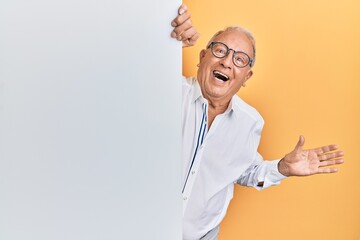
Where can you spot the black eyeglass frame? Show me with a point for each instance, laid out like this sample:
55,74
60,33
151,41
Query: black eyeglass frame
251,60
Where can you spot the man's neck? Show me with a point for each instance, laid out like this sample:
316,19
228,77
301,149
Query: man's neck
216,108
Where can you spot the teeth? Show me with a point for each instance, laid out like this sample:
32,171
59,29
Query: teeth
221,74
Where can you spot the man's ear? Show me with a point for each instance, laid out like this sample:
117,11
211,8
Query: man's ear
202,54
248,75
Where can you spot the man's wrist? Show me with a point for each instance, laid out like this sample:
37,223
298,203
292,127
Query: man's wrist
283,168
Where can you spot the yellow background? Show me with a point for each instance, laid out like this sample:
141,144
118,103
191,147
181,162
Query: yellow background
306,81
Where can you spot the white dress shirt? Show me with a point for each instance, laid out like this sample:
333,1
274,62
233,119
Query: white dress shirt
216,158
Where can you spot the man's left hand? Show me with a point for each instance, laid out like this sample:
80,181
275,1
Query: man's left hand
301,162
183,29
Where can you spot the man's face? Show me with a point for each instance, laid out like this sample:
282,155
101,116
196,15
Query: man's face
213,88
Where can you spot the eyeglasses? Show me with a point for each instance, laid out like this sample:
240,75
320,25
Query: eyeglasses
240,59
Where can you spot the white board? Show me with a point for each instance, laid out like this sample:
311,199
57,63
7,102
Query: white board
90,133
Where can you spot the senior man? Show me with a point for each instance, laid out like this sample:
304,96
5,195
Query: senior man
221,132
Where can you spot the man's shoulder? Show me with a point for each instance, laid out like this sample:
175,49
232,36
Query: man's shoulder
188,81
190,88
241,107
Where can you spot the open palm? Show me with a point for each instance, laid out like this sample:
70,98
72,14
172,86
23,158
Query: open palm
304,162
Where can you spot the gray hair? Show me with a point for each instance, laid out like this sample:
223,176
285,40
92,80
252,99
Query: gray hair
238,29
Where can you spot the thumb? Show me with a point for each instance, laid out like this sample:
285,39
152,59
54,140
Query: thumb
300,143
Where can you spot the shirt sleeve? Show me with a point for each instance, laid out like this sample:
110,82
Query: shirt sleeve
261,174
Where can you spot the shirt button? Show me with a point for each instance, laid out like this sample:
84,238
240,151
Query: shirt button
193,172
185,198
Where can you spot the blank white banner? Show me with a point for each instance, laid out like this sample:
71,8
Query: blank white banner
90,131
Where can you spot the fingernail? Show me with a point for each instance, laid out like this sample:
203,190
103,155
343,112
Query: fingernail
173,24
181,11
178,38
173,34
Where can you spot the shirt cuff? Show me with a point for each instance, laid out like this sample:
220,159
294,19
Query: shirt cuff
274,176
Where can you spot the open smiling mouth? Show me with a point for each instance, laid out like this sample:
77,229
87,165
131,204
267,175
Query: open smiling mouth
220,76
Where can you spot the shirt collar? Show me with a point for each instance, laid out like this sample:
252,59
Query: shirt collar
197,94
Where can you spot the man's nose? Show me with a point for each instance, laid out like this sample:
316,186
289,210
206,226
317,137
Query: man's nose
226,61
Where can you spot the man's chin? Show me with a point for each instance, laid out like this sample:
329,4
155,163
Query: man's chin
216,94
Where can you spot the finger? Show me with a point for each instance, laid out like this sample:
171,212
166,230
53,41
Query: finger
331,162
182,28
182,9
180,19
192,40
300,143
332,155
328,170
188,33
325,149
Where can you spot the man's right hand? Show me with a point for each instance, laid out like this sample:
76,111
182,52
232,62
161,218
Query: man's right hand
305,162
183,29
